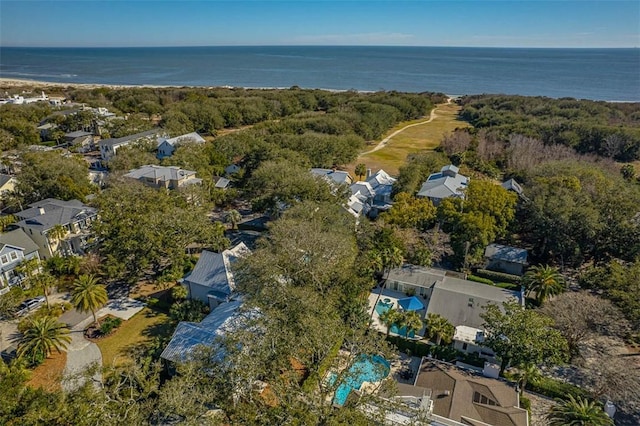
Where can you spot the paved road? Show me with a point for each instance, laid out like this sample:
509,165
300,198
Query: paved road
81,356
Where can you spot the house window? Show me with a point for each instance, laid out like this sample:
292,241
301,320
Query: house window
481,399
4,259
14,255
464,346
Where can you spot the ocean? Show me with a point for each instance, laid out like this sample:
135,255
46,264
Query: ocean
598,74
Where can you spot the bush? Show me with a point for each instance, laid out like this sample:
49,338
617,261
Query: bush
188,310
497,276
525,403
479,279
554,388
109,324
416,347
508,286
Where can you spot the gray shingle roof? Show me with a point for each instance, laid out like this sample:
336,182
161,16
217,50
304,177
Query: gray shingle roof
4,179
162,173
77,134
129,138
18,238
56,212
506,253
337,176
439,186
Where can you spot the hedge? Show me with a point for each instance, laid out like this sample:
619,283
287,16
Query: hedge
479,279
312,381
554,388
498,276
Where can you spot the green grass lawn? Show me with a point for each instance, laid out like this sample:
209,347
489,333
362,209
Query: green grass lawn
135,332
418,138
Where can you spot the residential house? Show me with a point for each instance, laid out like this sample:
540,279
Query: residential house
211,280
374,194
220,182
7,184
335,176
164,177
15,247
45,130
458,300
43,216
510,260
109,147
467,397
444,184
82,141
469,340
512,185
166,147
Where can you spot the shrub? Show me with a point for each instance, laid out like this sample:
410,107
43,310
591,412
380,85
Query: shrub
508,286
109,324
479,279
497,276
312,381
525,403
188,310
554,388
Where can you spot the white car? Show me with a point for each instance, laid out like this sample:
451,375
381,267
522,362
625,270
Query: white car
29,305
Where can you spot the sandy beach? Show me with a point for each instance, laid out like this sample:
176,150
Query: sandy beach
16,82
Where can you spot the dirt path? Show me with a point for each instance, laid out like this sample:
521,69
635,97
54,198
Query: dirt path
386,140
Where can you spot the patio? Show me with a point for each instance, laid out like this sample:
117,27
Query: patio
391,298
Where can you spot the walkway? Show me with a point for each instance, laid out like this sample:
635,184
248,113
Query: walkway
81,356
386,140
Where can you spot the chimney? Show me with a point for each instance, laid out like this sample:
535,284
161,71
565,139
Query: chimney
368,174
41,211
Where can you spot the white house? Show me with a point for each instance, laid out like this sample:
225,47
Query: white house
166,147
374,193
109,147
469,340
15,247
41,217
444,184
211,280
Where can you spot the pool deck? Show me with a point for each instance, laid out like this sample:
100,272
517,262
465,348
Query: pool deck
393,296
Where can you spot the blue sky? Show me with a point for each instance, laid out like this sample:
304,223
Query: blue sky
537,23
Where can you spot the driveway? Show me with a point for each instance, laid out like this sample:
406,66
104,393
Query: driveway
82,355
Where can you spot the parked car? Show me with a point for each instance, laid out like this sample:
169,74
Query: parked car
29,305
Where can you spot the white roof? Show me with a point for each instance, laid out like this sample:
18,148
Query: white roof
468,334
439,186
189,137
160,172
362,188
381,178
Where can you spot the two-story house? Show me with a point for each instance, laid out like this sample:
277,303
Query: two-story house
447,183
166,147
40,222
15,247
164,177
109,147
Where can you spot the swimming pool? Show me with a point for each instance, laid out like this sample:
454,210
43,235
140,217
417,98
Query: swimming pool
365,369
383,306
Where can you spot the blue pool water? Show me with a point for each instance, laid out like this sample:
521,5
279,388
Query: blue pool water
381,308
365,369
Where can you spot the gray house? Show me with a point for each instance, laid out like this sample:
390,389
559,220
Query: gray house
15,247
109,147
211,281
75,218
459,301
510,260
447,183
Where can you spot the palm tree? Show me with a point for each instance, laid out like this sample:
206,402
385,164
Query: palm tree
389,318
87,295
526,373
57,233
440,328
578,412
45,281
41,337
361,170
411,321
233,217
545,281
28,268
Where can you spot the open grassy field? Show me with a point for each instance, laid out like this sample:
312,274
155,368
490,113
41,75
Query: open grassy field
422,137
138,330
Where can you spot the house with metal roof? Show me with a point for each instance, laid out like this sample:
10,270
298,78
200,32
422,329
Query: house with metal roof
211,280
458,300
190,337
374,193
444,184
171,177
510,260
167,146
109,147
334,176
15,248
75,218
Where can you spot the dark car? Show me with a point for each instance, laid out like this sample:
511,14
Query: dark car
29,305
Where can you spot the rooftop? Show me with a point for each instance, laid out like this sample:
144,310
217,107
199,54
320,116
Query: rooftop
447,183
44,215
214,269
189,137
337,176
18,239
130,138
160,173
506,253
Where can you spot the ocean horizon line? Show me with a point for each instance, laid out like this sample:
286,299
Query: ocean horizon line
359,46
